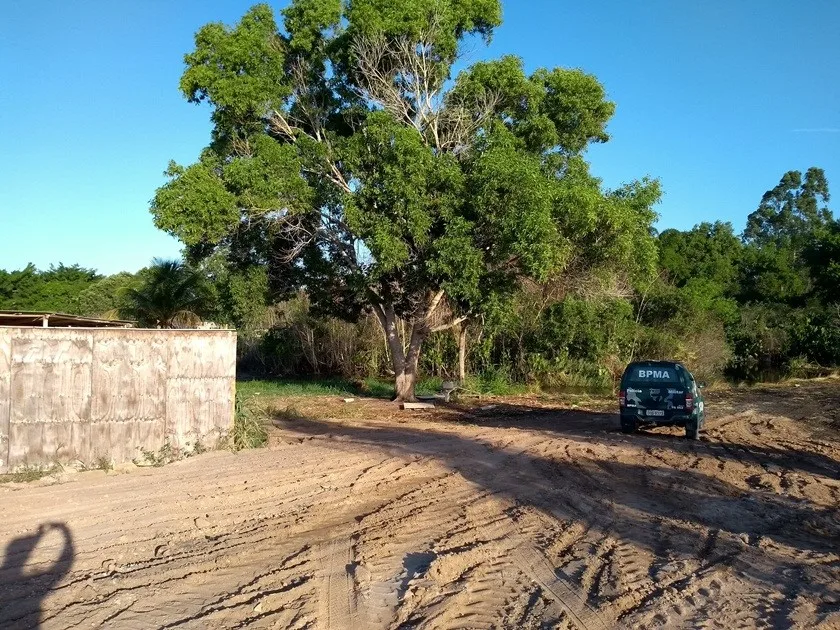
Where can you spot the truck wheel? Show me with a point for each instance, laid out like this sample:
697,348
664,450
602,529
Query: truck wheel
692,429
628,426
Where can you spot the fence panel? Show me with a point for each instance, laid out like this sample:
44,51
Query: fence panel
71,394
5,394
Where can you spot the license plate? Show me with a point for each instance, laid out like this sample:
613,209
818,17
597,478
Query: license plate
654,412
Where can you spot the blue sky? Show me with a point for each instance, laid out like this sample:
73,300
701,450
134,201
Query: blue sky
716,98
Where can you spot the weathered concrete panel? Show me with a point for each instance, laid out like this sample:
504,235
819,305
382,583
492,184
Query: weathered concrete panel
192,406
70,394
129,372
5,394
194,355
51,345
26,444
50,392
51,376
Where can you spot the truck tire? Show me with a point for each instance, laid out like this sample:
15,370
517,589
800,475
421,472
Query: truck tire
628,426
692,429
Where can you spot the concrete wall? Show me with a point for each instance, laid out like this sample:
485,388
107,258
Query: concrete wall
80,394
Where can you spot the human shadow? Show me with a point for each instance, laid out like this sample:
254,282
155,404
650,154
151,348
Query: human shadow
27,577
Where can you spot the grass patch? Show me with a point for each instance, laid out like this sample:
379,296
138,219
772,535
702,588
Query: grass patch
248,426
165,455
30,473
286,388
101,463
251,391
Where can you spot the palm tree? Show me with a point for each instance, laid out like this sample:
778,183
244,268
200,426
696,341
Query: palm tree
173,295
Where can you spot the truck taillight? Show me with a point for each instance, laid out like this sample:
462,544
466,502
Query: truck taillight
689,401
622,398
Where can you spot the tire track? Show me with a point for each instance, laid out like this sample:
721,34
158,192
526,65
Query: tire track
571,600
551,521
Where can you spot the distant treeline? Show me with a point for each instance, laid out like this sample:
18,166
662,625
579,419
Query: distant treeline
748,306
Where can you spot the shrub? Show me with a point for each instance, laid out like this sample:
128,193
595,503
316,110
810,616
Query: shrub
248,427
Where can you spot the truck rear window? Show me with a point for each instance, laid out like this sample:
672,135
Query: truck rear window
652,375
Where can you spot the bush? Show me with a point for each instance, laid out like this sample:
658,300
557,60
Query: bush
760,344
248,427
815,335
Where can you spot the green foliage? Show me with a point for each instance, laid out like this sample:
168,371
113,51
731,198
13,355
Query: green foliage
172,295
29,473
198,207
708,251
248,427
54,290
822,256
166,454
790,213
241,71
585,329
773,274
105,297
341,148
760,342
395,18
239,294
815,335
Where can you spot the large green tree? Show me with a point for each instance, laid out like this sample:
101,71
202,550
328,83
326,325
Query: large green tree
708,251
791,217
348,160
792,211
822,256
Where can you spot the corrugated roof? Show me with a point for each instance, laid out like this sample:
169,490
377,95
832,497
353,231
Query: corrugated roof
58,320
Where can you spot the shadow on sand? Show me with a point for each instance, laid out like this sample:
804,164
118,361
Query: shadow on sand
32,565
671,512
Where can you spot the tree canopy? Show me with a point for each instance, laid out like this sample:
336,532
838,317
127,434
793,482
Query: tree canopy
52,290
792,211
348,160
711,251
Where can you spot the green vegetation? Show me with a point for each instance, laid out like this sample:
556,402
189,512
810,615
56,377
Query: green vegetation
372,222
56,289
172,295
773,293
370,176
375,387
31,473
249,426
166,454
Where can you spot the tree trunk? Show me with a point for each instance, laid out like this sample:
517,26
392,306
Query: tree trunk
462,354
404,386
405,364
407,361
406,380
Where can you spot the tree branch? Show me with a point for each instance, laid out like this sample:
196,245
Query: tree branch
449,325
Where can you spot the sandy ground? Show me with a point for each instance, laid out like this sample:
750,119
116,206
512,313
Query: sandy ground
526,515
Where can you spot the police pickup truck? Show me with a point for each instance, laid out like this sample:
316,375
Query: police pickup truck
661,393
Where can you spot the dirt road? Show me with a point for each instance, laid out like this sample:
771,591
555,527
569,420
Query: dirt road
520,516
